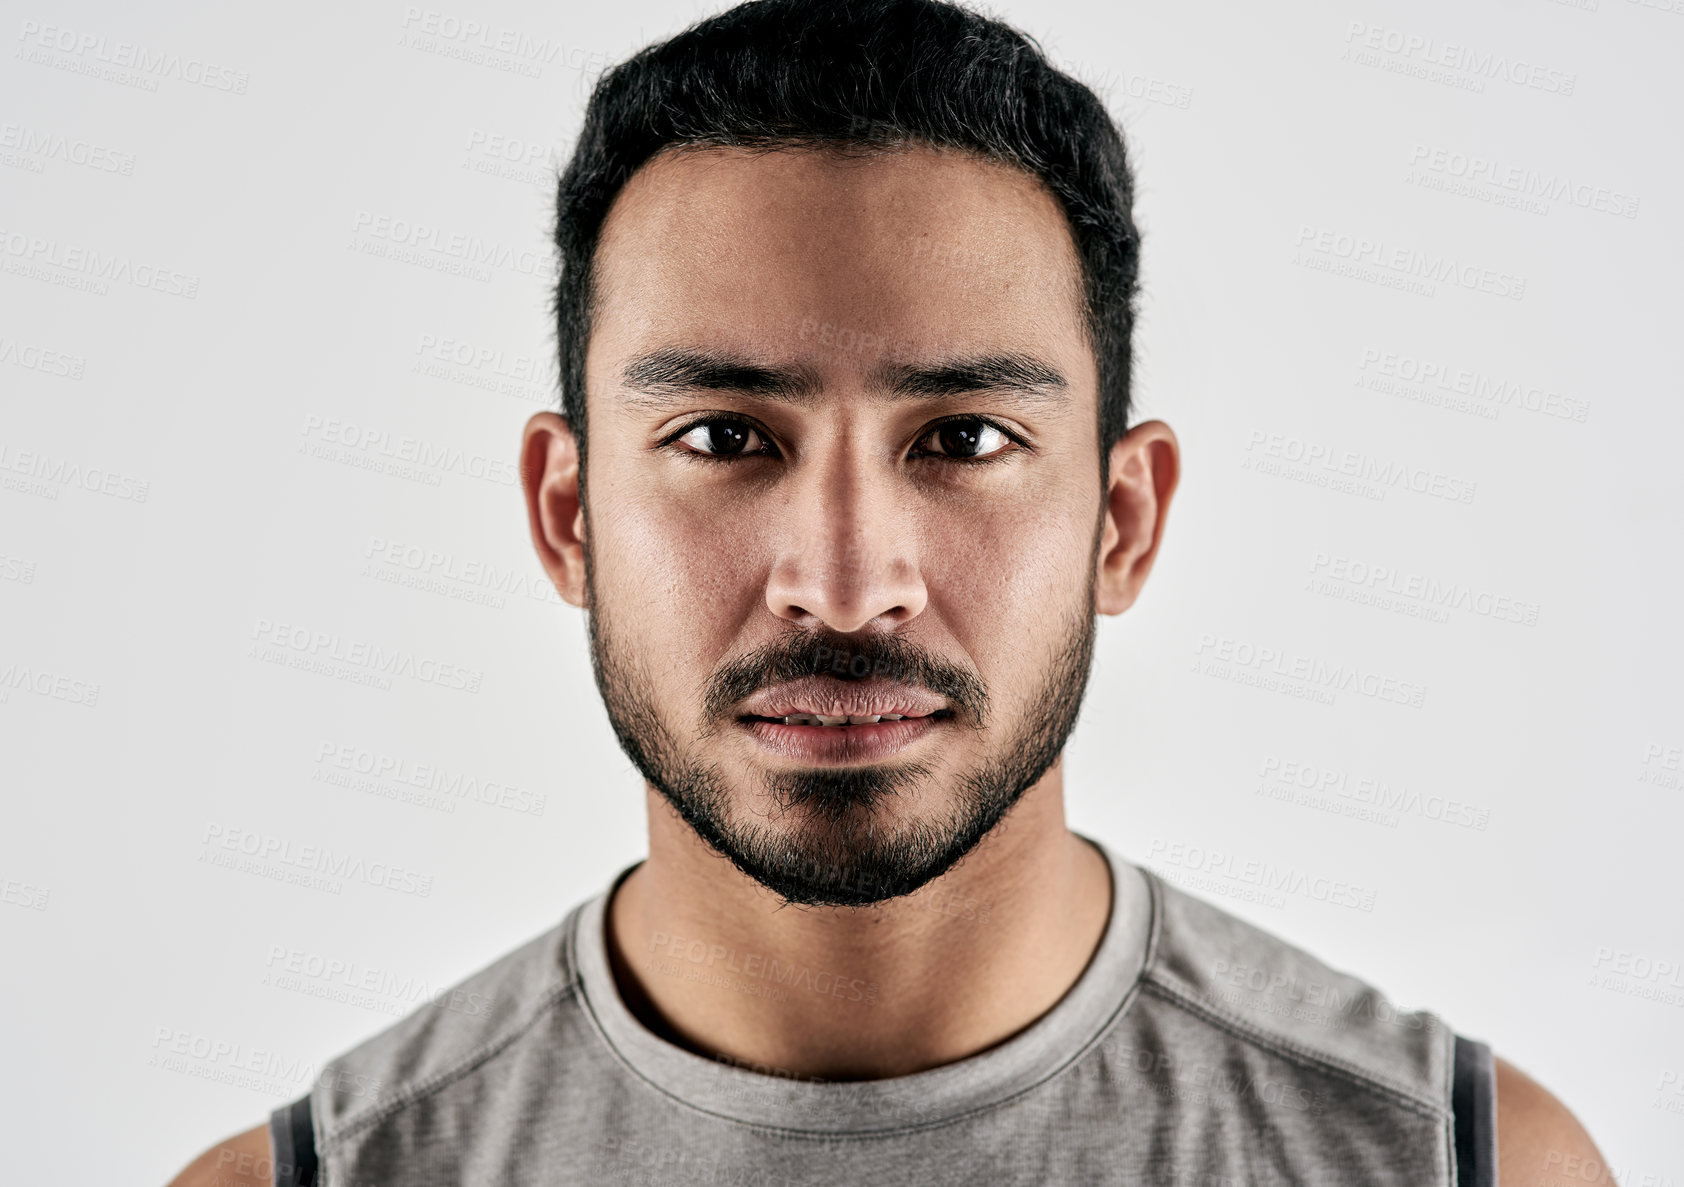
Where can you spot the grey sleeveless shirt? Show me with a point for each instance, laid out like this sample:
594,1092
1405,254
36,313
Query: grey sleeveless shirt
1194,1050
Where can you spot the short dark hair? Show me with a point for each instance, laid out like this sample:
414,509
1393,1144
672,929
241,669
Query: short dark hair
858,73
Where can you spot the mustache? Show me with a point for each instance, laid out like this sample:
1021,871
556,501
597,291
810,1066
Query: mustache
822,653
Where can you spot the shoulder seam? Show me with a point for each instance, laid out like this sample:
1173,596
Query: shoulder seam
1155,982
479,1055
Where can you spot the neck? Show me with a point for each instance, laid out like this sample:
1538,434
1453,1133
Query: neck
710,960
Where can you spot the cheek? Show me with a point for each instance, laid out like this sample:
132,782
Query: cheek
1004,586
663,560
1005,579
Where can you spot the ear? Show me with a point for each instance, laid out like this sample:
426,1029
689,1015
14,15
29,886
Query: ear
549,474
1145,467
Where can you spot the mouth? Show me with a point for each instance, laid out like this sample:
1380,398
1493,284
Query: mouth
872,739
818,702
846,721
818,721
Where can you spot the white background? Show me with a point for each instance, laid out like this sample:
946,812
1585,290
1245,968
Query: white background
1268,139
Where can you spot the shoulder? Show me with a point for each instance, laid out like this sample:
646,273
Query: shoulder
240,1161
1258,990
1538,1136
450,1033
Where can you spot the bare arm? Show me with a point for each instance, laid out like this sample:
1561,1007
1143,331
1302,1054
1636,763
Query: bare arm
243,1160
1539,1139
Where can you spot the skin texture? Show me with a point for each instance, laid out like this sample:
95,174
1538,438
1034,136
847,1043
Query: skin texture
240,1161
847,532
1538,1141
854,526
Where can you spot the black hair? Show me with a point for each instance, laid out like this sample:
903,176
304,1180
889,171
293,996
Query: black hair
865,74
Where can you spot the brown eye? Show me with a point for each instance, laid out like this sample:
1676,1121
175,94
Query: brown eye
722,438
968,439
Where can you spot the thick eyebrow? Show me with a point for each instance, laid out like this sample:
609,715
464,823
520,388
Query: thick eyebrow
665,376
1010,372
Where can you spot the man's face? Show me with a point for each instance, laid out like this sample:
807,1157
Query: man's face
843,463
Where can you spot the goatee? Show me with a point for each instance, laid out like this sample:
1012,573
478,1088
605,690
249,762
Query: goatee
829,843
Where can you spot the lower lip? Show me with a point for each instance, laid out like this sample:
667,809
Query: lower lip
842,743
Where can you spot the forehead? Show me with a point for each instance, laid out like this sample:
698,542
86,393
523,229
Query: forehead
935,250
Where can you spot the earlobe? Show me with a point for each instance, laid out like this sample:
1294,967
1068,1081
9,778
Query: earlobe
1145,469
549,474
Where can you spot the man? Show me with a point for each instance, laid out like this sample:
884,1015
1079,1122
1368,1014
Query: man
843,476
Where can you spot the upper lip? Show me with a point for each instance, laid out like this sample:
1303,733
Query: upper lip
831,698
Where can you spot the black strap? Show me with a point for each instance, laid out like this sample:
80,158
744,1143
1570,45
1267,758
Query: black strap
1473,1101
294,1142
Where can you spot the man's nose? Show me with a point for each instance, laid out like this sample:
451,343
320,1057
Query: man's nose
850,555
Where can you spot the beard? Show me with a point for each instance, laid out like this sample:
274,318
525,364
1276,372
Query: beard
827,843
